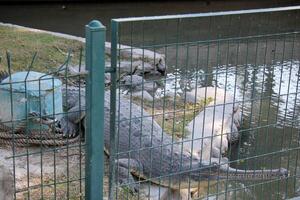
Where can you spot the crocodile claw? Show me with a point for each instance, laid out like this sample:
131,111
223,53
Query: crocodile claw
68,128
46,120
3,75
132,187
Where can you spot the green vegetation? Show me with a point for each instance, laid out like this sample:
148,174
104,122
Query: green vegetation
173,114
51,50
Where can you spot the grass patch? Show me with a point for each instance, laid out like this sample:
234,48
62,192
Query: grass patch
51,50
61,192
173,115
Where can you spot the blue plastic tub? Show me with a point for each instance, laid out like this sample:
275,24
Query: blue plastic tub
27,93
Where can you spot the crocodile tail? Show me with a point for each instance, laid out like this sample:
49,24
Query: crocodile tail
238,174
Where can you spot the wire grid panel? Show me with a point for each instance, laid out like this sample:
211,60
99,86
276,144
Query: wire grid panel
41,162
206,104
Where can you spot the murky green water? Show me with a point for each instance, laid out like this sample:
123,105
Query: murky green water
263,74
71,18
269,100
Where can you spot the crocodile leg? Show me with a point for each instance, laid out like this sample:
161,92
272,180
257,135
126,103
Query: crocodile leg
70,123
68,127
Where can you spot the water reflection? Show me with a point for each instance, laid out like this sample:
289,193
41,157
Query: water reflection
269,100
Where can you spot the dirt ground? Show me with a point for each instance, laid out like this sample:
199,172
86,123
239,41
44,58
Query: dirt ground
46,172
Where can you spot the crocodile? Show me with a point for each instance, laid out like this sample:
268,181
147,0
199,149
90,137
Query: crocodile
147,152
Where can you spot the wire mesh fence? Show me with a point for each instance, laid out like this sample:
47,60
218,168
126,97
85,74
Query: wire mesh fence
38,158
197,106
205,106
51,141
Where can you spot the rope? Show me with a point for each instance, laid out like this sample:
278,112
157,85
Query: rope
22,142
34,137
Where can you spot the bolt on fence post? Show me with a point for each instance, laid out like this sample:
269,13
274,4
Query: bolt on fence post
95,64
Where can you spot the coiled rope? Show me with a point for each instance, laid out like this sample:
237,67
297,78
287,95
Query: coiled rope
23,138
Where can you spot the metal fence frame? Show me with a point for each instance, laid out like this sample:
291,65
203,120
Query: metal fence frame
114,60
95,83
95,62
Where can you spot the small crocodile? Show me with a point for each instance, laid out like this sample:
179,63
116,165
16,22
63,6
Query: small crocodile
147,152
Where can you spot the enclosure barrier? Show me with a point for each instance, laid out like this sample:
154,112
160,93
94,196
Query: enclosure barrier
95,59
192,106
45,154
36,158
200,91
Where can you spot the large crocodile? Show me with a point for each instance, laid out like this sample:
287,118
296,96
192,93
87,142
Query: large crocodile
147,152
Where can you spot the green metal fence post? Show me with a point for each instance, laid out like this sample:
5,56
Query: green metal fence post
113,100
95,63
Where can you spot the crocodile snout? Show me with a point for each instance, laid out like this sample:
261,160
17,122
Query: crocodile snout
161,67
282,172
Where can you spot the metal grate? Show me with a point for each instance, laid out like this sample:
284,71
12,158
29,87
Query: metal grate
200,100
37,160
196,106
